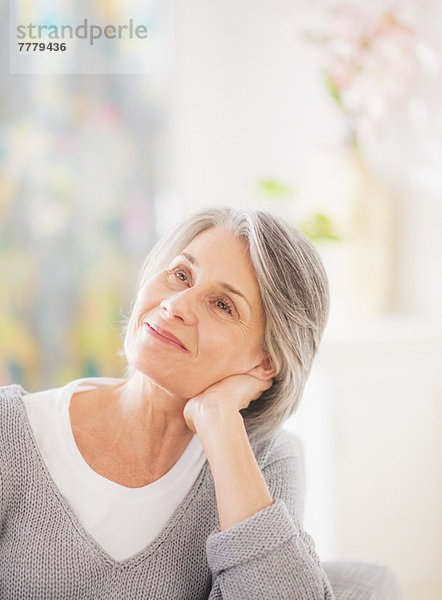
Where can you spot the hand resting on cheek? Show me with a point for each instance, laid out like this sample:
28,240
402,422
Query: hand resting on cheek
223,398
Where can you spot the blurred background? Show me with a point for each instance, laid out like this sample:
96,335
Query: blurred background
327,113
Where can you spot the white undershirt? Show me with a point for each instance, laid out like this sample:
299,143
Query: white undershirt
122,520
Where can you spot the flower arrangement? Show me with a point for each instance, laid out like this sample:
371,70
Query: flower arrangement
368,53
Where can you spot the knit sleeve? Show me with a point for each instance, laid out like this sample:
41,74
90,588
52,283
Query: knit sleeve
269,555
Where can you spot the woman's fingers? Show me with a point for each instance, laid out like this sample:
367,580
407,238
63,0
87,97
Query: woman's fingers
235,393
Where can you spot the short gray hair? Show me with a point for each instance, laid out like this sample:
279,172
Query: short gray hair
294,293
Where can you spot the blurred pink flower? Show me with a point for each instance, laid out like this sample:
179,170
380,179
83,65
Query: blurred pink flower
368,54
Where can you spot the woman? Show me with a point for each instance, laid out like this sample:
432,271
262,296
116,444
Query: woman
177,481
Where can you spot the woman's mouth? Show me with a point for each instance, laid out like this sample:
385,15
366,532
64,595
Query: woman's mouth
163,335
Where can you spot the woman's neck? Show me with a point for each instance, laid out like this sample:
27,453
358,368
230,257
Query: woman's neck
132,432
158,411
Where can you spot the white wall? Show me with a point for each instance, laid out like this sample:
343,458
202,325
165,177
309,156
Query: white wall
246,105
374,468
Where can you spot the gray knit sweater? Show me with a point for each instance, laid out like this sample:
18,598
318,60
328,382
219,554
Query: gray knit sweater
45,553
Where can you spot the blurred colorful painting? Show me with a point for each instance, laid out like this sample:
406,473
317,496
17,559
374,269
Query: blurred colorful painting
75,223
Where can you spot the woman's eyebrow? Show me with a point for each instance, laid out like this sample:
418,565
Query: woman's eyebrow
223,284
189,257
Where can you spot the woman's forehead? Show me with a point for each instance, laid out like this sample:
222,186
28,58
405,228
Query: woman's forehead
220,236
218,247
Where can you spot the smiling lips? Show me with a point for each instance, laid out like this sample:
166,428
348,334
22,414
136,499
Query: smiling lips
163,335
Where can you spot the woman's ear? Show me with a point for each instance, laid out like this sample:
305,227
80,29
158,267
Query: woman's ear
265,370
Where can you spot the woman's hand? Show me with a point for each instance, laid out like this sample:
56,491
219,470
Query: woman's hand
222,399
214,414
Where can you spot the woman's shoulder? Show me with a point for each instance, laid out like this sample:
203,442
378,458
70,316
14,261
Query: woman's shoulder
281,445
10,393
11,416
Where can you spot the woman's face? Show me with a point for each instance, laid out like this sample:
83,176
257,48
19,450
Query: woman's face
201,319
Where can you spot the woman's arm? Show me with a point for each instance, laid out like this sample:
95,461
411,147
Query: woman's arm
268,556
261,549
214,414
240,487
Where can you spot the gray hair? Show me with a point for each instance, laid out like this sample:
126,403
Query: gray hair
294,293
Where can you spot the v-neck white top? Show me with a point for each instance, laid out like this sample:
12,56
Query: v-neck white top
122,520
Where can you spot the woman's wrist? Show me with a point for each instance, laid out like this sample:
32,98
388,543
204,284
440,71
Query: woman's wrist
214,419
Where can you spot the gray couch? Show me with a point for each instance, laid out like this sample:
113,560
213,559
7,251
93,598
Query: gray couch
350,579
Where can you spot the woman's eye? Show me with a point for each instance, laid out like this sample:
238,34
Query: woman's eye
224,306
181,275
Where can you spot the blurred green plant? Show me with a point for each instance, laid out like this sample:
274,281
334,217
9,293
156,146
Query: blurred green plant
319,227
274,188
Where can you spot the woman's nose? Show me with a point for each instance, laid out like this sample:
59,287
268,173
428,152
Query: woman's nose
179,306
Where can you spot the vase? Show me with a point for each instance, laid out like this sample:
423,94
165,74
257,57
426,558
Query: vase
340,185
